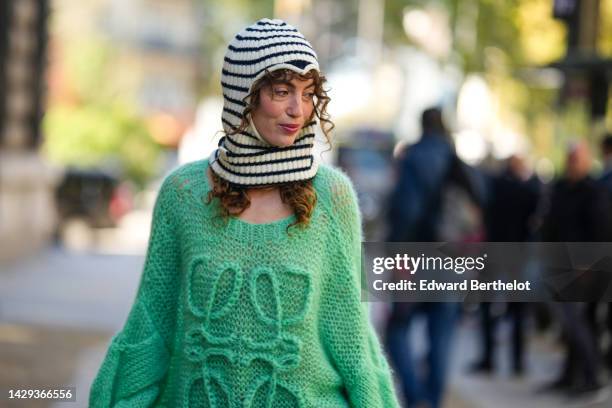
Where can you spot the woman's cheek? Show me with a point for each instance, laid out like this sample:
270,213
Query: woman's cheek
310,113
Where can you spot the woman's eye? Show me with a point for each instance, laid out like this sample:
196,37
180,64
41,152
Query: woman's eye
309,96
281,92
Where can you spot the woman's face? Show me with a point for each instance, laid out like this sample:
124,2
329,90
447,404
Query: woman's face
284,108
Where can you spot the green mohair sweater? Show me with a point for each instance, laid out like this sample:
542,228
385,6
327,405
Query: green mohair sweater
243,315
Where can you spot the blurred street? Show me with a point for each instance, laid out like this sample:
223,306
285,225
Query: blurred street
58,309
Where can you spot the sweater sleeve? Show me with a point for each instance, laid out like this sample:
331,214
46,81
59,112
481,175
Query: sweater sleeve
348,334
137,359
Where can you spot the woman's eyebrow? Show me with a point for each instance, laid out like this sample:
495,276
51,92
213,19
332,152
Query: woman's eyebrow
287,83
290,85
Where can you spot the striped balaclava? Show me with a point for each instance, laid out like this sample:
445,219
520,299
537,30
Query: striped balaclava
245,159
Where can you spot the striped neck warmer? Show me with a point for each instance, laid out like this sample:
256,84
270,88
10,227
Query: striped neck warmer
245,159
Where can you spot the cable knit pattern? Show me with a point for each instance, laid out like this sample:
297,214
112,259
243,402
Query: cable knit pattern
233,315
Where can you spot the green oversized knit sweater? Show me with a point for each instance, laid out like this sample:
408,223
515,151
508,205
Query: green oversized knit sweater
235,314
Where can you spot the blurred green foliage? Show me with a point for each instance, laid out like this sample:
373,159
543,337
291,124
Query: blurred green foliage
220,22
523,29
508,42
95,135
94,124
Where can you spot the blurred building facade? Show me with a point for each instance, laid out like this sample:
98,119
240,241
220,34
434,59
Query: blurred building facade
164,46
156,55
26,182
156,52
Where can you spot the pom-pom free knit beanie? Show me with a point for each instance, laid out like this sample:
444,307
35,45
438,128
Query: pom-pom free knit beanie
246,159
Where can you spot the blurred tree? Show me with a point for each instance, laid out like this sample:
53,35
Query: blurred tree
605,28
504,40
541,37
95,135
221,21
90,122
523,29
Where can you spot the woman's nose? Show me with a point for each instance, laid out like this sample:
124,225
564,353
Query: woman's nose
295,108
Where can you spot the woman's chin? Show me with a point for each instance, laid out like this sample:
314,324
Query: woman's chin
284,141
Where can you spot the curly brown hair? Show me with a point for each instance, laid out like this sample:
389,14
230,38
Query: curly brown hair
299,195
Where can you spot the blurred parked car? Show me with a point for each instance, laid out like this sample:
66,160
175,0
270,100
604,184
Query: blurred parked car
95,197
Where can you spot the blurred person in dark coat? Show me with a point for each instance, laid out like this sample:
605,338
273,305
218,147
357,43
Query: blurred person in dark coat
605,181
577,204
606,151
423,168
578,213
513,199
415,214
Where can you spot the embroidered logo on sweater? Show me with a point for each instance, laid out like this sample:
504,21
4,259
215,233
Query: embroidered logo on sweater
241,339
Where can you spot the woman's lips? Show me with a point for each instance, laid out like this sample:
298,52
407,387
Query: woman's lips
290,129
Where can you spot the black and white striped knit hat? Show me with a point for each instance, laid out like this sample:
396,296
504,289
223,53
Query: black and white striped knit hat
245,159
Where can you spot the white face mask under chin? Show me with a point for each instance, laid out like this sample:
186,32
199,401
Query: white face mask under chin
255,132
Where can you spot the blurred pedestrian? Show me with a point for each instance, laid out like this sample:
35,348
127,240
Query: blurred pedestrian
577,214
512,202
606,181
230,312
417,214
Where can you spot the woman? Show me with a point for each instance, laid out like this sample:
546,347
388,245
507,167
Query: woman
250,295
